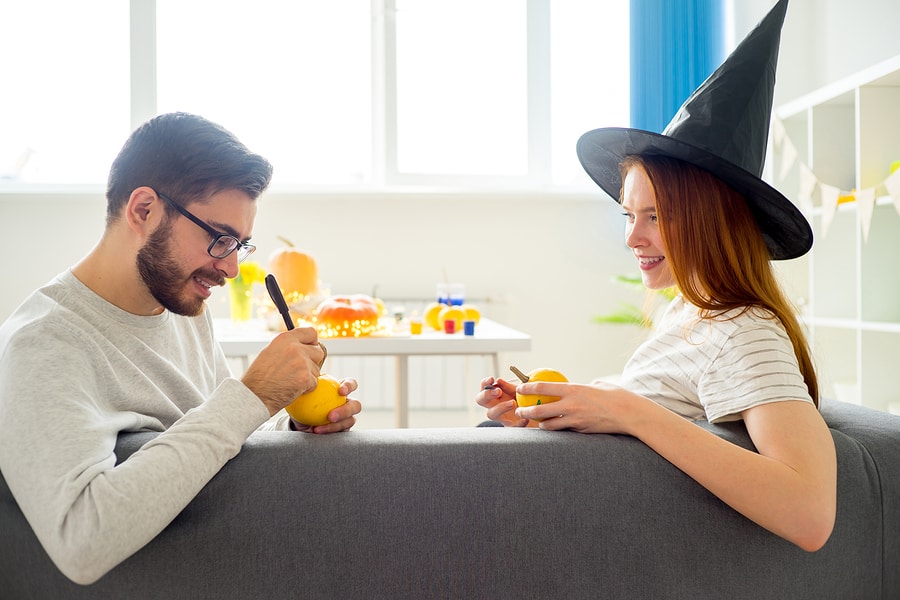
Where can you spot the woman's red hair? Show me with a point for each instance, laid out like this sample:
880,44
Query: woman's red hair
715,250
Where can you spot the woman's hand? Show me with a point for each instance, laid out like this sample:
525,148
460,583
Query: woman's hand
595,408
341,418
499,398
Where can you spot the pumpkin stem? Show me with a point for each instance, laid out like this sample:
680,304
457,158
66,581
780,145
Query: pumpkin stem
285,240
522,376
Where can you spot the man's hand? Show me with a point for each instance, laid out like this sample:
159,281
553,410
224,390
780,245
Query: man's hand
342,418
286,368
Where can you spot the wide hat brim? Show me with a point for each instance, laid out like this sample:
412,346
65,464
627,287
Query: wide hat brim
786,231
723,128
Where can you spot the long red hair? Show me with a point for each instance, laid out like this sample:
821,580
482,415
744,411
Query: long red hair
716,251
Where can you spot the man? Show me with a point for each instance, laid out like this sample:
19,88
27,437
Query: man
123,342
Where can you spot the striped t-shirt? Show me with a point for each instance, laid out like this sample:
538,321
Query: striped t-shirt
715,368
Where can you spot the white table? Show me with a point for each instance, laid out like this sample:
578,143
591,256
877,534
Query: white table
244,340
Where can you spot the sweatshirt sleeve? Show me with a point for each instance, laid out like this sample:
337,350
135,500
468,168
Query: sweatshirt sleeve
62,407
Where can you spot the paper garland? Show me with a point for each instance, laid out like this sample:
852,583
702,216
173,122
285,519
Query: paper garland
892,185
830,194
866,200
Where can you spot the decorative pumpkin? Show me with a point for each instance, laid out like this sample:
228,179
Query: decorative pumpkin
295,270
312,408
347,316
538,375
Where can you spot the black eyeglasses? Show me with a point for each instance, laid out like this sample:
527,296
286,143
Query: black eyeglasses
222,244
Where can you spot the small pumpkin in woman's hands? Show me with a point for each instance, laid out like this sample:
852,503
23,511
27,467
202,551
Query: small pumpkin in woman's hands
542,374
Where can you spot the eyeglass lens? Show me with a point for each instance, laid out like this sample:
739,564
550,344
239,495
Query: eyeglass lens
224,245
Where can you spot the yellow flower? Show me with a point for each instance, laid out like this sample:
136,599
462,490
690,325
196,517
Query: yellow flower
250,272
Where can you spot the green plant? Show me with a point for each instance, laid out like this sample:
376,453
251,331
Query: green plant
631,314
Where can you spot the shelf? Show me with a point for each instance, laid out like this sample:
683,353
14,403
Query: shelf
848,134
850,324
881,327
849,207
853,324
885,73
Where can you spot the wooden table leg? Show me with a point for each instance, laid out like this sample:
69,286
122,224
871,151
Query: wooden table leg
401,406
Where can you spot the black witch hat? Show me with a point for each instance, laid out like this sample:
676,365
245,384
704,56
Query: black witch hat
723,127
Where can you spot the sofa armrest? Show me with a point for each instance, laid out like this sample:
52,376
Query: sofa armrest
876,436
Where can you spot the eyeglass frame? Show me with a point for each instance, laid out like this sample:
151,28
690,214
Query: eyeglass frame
215,234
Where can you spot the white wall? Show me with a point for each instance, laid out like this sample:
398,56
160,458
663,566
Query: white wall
545,262
824,40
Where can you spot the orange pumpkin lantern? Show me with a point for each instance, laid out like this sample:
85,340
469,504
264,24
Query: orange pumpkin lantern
295,270
347,316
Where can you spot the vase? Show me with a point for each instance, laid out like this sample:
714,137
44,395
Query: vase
241,301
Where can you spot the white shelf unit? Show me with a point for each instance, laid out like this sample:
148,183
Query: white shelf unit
848,134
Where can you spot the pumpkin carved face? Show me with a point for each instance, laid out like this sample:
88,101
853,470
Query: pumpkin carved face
347,316
295,270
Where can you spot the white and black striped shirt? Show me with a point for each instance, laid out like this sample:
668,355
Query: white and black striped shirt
715,368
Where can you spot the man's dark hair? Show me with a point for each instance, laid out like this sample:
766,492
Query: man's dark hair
187,158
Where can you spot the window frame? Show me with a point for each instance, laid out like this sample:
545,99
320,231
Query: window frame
385,176
385,136
385,173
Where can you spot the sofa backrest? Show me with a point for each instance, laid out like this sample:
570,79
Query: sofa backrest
487,513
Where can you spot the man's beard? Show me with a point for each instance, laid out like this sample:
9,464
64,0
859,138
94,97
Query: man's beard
161,274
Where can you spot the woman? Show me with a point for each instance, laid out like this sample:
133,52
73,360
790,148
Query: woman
729,346
789,486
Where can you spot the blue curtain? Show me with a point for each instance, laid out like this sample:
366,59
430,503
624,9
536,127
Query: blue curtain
675,46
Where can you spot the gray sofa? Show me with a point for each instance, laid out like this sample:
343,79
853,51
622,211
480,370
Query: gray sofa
488,513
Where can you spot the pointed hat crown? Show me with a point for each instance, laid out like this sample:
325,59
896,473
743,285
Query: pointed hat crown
722,127
728,114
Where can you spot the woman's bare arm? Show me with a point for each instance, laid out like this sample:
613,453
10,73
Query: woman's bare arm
789,487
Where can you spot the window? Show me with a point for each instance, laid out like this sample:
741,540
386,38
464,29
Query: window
64,110
589,69
462,87
291,79
344,93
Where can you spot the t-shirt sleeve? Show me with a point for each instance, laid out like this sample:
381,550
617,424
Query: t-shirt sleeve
756,366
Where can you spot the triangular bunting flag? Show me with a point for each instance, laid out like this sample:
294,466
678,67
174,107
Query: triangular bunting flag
788,156
808,184
866,202
778,132
892,184
830,196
